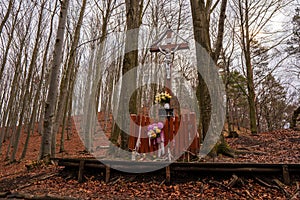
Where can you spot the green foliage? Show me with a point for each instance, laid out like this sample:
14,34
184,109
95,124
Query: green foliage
272,104
237,98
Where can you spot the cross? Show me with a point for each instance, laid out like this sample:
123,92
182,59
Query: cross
168,35
168,50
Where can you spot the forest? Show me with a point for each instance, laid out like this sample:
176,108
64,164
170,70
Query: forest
143,81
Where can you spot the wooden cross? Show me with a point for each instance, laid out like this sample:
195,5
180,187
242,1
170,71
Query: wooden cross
168,49
168,35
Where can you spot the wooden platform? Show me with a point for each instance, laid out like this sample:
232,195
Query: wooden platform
82,164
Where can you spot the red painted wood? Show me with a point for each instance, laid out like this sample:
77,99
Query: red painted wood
132,139
179,144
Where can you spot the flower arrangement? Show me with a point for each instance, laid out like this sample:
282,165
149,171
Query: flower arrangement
156,133
154,130
162,98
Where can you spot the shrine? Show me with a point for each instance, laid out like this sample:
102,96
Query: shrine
173,136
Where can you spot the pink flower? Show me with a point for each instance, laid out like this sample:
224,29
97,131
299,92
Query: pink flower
160,125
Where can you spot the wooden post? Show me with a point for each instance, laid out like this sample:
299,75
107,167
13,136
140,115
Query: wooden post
107,173
286,175
168,174
80,172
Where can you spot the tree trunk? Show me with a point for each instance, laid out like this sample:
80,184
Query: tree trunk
249,68
295,117
8,11
24,95
201,33
64,92
91,98
201,11
9,109
9,40
201,22
37,95
53,87
134,10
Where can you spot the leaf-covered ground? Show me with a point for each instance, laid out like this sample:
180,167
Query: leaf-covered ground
281,146
58,183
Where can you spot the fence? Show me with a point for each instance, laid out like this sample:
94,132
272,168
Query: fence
180,133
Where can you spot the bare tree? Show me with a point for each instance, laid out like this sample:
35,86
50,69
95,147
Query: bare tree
53,87
5,18
253,17
28,93
36,100
134,9
92,97
64,92
201,12
11,96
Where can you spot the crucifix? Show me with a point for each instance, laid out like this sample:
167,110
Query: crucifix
165,46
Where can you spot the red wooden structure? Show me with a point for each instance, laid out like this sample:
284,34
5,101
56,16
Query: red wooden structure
180,131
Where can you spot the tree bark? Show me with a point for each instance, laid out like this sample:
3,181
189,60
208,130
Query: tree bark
5,18
295,117
201,22
201,33
247,55
91,99
134,10
39,87
64,92
53,87
11,35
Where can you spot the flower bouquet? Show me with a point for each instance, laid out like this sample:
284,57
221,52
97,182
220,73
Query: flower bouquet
156,133
154,130
163,99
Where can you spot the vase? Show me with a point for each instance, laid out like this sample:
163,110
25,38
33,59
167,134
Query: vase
167,106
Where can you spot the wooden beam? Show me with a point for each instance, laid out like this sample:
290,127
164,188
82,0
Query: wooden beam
155,48
80,172
107,174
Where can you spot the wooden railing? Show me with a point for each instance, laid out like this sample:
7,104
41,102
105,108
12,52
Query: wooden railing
180,133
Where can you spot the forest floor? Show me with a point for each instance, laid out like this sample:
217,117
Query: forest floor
28,179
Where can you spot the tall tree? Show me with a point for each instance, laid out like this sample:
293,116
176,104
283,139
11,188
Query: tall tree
134,10
245,37
5,18
294,49
273,104
254,16
50,107
201,13
12,93
91,99
28,94
66,81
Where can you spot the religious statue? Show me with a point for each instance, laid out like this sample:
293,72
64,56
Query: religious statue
168,59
